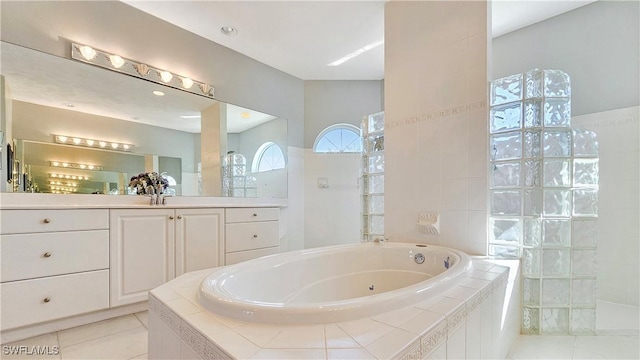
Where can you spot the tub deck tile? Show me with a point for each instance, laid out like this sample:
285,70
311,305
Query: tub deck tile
396,318
387,346
336,338
348,354
290,354
423,322
299,337
413,332
365,331
259,334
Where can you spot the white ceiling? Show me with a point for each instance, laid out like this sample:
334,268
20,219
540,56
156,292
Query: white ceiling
302,37
297,37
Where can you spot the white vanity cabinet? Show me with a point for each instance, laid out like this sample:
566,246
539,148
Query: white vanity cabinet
151,246
251,233
54,264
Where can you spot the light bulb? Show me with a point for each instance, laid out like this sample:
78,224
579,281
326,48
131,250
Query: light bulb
82,166
187,83
114,145
91,167
126,146
67,176
166,76
116,61
77,141
65,164
55,163
87,52
102,143
61,138
90,142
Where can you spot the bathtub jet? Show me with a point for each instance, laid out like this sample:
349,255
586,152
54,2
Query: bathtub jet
332,284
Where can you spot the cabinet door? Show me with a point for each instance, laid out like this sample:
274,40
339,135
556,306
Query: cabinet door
199,235
142,253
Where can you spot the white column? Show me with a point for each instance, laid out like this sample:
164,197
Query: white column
436,82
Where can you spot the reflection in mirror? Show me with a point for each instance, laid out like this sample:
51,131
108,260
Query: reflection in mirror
57,96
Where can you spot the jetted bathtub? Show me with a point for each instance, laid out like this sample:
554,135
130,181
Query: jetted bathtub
332,284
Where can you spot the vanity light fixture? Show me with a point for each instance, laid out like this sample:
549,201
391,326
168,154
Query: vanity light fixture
165,76
92,143
60,183
69,165
65,189
68,176
114,62
87,52
187,83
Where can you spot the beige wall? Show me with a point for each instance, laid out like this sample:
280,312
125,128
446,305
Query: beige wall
436,120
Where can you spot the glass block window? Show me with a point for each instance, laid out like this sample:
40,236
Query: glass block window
338,138
544,200
268,157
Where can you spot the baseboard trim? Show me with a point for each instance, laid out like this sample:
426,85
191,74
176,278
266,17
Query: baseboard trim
29,331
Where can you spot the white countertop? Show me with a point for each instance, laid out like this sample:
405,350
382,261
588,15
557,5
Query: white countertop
23,201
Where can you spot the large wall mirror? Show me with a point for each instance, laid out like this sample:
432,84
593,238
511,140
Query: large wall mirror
61,109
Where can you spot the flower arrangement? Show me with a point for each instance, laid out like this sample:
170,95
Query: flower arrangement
149,183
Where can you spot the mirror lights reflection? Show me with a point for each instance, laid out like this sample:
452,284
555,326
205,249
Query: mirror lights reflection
111,108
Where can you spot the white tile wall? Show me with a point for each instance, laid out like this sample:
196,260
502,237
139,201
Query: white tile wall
331,215
294,213
618,134
436,117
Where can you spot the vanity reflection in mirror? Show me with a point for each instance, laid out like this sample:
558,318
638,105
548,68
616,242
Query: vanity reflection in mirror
84,129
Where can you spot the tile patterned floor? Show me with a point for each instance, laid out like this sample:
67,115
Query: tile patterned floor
575,347
119,338
125,338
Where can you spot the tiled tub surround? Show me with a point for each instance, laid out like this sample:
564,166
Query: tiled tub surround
467,321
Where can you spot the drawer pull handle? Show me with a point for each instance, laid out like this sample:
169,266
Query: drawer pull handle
47,254
170,217
179,217
255,235
46,221
254,214
47,299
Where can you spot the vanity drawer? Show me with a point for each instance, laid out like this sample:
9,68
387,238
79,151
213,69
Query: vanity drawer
32,301
254,235
26,256
240,256
33,221
237,215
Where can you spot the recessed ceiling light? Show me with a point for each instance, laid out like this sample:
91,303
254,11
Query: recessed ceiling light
158,93
245,115
229,30
190,116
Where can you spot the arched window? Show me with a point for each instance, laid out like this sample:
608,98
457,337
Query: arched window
268,157
338,138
